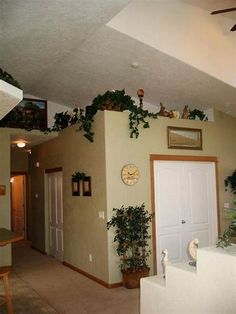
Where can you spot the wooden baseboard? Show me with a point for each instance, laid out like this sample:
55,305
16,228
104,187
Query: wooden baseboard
38,250
101,282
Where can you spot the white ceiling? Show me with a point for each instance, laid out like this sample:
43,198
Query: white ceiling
31,139
214,5
63,51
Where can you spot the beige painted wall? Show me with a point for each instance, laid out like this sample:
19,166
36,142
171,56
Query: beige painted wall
218,140
84,232
5,211
19,160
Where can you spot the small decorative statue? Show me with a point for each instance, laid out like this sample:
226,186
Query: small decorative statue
174,114
164,261
185,114
140,93
163,112
192,251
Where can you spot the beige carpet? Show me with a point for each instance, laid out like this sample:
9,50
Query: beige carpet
67,291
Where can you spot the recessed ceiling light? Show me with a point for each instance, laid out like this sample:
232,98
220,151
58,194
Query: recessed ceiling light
21,144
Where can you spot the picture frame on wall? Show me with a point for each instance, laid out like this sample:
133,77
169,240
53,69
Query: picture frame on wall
75,188
87,191
184,138
29,114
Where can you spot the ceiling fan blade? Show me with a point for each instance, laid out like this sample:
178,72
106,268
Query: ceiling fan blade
223,11
233,28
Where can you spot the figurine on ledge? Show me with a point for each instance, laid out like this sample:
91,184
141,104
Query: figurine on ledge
192,251
163,112
164,261
185,114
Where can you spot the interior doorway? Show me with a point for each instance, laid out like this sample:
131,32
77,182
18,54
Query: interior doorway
185,205
18,204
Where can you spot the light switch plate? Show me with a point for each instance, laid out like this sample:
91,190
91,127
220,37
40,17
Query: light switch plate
101,214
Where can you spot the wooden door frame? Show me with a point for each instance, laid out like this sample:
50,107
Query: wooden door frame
154,157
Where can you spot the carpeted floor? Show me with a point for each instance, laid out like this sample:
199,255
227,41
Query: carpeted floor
40,284
25,299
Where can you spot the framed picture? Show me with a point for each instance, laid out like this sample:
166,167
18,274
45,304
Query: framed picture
28,114
75,188
184,138
87,186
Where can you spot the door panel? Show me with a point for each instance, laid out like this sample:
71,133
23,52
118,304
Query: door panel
52,233
185,202
173,241
55,207
197,193
171,215
203,236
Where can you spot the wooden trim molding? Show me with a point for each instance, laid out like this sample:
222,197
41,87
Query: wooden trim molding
184,158
19,173
154,242
53,170
217,198
155,157
101,282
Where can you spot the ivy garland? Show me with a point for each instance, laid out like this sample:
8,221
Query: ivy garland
231,181
193,114
111,100
8,78
77,176
225,239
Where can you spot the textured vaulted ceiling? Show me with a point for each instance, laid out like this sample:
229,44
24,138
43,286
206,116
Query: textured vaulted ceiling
63,51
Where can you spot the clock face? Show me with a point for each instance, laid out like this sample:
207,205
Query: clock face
130,174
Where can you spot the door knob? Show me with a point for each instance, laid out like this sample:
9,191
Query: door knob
183,221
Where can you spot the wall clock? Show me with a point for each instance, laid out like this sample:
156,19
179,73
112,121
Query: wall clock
130,174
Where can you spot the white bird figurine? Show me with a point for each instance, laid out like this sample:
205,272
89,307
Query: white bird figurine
164,261
192,250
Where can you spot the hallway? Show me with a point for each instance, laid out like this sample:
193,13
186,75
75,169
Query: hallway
65,290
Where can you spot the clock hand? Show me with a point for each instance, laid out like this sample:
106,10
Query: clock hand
132,173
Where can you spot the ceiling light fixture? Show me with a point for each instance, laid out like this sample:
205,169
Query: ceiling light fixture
134,65
21,144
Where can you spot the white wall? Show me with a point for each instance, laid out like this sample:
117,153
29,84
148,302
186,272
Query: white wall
179,30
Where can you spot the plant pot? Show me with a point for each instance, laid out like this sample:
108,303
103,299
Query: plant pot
233,239
113,106
131,279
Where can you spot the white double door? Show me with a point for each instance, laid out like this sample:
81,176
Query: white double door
186,207
55,211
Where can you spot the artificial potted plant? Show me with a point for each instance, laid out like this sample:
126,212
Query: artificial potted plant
131,226
229,235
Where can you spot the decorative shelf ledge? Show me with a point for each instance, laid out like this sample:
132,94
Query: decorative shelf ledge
208,288
10,96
